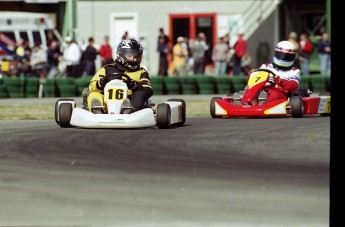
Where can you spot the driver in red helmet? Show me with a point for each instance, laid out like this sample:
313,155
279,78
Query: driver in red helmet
128,58
287,76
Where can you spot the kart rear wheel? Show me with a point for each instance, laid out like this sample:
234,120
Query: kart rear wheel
163,116
183,110
213,107
65,114
297,106
57,110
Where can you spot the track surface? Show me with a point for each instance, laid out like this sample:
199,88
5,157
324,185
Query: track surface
211,172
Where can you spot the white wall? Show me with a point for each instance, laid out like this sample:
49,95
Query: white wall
94,18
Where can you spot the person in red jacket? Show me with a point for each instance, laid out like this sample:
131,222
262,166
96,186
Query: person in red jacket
240,49
105,52
304,53
287,77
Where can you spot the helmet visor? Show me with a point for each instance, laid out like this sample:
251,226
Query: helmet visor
133,57
285,56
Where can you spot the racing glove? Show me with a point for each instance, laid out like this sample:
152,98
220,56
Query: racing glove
277,80
271,80
133,85
101,83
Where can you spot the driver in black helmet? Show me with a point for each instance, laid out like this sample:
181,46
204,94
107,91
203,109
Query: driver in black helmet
128,58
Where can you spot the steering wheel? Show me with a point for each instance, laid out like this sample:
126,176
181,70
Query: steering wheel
266,70
119,76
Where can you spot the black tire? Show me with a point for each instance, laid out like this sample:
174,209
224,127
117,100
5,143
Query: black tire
56,108
65,114
213,107
297,106
163,116
183,110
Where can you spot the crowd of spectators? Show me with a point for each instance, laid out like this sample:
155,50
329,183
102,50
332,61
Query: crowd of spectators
67,59
306,49
186,57
197,56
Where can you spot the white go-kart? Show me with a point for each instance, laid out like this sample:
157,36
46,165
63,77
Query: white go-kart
171,113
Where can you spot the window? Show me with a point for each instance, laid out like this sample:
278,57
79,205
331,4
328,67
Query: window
37,37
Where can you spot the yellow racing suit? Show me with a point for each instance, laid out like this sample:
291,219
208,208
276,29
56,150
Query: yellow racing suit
137,96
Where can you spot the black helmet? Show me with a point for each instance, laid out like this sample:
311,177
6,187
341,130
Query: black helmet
129,53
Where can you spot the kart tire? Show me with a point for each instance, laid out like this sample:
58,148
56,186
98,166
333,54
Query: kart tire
183,110
65,114
297,106
163,116
56,108
213,107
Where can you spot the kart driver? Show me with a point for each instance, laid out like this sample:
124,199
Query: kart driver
287,77
128,58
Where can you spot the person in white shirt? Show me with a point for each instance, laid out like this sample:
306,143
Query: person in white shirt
71,56
39,61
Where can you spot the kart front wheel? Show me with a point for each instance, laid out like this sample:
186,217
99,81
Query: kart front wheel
183,114
65,114
213,107
297,106
163,116
57,108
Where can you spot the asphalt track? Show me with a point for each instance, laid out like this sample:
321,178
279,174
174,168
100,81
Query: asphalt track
211,172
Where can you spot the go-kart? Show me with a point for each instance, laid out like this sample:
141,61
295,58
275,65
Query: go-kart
297,105
171,113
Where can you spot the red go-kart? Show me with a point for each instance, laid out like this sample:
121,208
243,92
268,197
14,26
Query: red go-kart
297,105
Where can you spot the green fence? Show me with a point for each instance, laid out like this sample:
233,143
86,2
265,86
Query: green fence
11,87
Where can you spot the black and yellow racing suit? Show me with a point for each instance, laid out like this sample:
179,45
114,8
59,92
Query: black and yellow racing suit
137,96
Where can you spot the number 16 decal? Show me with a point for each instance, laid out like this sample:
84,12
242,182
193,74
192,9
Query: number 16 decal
115,94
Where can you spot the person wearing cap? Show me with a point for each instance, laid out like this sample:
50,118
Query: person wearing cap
179,57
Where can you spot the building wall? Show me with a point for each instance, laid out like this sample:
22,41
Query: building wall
94,18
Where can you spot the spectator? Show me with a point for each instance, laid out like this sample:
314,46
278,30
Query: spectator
324,49
226,39
54,54
179,57
72,55
163,50
220,54
198,54
208,63
163,35
245,64
188,59
293,39
304,53
24,60
106,52
19,51
38,61
125,35
240,49
89,57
